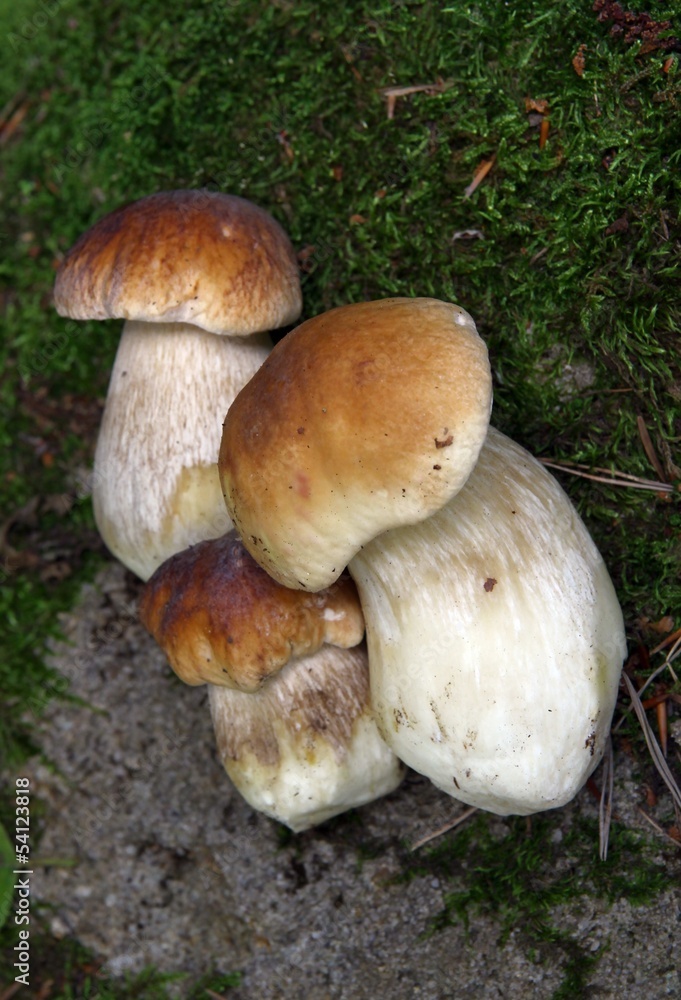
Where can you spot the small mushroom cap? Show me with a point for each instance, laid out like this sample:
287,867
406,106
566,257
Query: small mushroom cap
221,619
210,259
367,417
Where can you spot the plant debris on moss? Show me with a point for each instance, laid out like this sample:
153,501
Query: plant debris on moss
520,159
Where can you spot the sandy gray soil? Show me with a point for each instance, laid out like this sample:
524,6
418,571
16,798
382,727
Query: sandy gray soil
174,869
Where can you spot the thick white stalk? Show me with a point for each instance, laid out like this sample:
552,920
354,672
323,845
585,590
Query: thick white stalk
156,488
305,747
495,639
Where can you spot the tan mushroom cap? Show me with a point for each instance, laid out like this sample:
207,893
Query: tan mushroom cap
222,620
365,418
210,259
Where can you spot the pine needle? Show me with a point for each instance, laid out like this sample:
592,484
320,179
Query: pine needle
671,655
653,746
657,826
648,447
609,477
478,177
461,818
605,806
392,93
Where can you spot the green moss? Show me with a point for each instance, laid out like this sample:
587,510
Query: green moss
576,971
522,873
519,872
83,979
566,255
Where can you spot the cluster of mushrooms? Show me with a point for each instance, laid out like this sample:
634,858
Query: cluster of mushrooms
364,572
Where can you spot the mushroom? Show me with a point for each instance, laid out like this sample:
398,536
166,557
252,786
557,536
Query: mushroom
494,633
293,721
194,274
222,620
495,639
367,417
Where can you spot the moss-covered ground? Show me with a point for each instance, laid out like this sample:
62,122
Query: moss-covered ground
566,252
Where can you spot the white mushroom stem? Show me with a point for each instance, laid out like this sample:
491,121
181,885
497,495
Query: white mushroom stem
155,487
305,746
495,639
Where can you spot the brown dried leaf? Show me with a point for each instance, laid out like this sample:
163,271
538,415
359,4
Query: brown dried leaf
479,176
541,106
648,447
282,139
663,626
608,158
620,225
579,60
11,127
58,503
662,726
58,571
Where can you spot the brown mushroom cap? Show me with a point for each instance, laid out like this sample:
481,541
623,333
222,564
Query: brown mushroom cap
367,417
221,619
210,259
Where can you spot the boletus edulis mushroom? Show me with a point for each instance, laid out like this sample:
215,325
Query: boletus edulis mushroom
288,676
199,277
495,637
368,417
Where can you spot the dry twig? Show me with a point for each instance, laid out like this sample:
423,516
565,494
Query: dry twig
675,637
649,449
609,477
479,175
12,125
392,93
462,817
653,746
657,827
671,655
605,805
